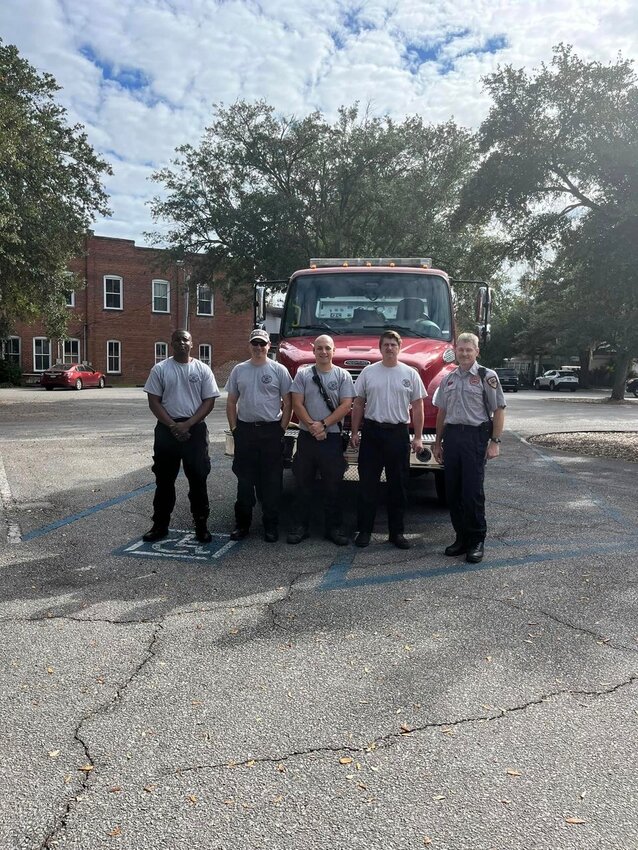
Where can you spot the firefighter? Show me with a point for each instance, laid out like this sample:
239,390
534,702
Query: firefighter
469,424
258,410
386,390
320,443
181,393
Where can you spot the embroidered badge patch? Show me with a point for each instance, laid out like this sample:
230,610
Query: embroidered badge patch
475,379
266,379
406,382
493,381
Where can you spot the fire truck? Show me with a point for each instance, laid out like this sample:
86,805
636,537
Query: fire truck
354,300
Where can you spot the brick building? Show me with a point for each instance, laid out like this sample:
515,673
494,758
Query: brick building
122,320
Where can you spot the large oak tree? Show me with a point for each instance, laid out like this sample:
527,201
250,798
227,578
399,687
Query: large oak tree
560,176
50,192
263,193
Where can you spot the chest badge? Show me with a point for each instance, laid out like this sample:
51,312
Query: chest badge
475,379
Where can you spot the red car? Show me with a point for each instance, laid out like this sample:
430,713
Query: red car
72,375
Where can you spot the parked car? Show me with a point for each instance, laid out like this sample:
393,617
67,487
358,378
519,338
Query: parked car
509,379
72,375
632,386
557,379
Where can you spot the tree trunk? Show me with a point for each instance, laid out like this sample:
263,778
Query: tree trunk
621,366
584,356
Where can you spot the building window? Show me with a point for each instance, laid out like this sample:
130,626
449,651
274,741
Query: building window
12,350
204,301
71,351
161,296
69,298
204,353
113,291
161,351
41,353
113,357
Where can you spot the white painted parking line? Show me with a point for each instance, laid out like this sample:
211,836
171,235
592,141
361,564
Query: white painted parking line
6,503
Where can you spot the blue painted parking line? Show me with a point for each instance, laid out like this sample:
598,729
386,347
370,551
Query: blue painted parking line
46,529
180,545
336,577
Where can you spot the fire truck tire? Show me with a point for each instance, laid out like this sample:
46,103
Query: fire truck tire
439,484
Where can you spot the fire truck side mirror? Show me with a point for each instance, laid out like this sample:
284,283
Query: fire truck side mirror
260,304
484,298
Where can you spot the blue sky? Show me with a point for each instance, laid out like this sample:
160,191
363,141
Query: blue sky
143,76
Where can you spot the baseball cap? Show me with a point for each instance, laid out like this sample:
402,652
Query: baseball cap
259,333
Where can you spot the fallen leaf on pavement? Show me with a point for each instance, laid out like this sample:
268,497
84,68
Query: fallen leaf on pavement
87,768
574,820
115,789
115,832
346,760
54,754
511,772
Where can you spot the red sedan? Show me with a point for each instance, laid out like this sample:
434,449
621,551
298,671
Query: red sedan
72,375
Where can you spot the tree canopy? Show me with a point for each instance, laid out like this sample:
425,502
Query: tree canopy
262,193
560,177
50,192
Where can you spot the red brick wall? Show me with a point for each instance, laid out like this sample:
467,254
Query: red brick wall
136,326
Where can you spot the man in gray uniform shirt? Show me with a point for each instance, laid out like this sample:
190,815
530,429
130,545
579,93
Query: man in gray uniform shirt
319,445
258,411
469,425
181,393
386,391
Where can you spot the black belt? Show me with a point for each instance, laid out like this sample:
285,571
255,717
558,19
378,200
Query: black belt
462,427
258,424
387,426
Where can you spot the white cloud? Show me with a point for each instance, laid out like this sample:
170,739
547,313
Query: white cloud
184,55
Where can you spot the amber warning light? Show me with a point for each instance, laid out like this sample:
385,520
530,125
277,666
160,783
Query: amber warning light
369,262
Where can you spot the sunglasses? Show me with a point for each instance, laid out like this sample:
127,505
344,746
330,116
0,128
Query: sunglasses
260,342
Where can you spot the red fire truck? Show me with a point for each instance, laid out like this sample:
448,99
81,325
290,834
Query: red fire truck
354,300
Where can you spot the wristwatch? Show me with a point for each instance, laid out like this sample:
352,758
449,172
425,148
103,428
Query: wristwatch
495,439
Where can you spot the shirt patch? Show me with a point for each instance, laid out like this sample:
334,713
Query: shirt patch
475,379
195,379
493,381
266,379
333,385
406,382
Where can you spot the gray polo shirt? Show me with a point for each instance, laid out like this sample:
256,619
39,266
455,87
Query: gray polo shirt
461,395
259,390
338,385
181,386
389,391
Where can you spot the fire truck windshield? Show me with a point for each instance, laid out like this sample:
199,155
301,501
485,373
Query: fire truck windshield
359,303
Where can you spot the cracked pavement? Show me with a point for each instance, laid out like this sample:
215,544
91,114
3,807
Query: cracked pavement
255,702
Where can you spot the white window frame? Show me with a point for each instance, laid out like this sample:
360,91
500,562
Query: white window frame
117,371
70,298
159,357
69,359
37,339
13,356
212,299
121,281
154,296
208,360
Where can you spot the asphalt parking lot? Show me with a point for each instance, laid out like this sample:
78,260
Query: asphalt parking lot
270,696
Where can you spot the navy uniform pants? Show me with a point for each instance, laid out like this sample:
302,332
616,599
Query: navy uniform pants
168,455
383,446
258,465
326,457
464,448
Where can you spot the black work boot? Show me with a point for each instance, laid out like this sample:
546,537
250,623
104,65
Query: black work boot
157,532
475,552
459,547
201,531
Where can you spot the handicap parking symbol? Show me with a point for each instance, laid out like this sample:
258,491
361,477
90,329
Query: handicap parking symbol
180,546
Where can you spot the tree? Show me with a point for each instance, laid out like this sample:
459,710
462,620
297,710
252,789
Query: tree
560,174
263,194
50,192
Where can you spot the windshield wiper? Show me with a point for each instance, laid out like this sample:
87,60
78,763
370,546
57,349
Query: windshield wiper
390,326
324,326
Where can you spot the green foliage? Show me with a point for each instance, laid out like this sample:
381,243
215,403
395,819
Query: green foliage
262,194
9,373
560,175
50,192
